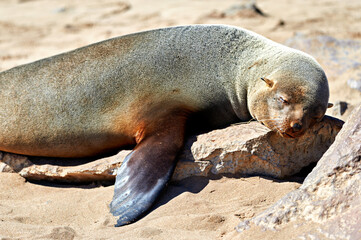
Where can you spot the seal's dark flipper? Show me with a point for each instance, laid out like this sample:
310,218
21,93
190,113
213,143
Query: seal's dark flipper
145,172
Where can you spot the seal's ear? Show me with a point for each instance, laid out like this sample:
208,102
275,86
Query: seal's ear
269,82
329,105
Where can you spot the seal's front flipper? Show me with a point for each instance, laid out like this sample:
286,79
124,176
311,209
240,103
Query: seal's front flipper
145,172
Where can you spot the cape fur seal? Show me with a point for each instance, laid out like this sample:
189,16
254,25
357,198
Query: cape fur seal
144,89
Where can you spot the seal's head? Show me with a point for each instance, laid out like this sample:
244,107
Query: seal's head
292,98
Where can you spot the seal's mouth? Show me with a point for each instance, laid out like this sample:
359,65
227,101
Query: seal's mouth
286,135
290,134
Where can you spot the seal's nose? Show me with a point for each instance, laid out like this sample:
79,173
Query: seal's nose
296,127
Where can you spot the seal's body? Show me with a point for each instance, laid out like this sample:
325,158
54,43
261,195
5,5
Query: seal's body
143,88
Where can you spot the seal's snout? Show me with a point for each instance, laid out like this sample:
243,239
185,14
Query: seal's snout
295,130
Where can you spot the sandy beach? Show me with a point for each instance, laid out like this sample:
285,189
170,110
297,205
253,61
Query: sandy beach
195,208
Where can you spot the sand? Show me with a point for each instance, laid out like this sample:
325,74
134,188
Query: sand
196,208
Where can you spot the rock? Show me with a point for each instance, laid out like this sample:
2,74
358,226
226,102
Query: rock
251,149
339,108
63,170
330,196
245,8
247,149
13,163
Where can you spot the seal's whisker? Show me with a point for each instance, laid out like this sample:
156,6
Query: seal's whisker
269,119
240,123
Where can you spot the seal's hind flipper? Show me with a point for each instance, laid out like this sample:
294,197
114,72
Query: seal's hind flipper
145,172
136,189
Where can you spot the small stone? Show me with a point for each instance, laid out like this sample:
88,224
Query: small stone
245,8
339,108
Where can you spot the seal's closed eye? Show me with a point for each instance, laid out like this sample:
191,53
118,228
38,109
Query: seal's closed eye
269,82
283,100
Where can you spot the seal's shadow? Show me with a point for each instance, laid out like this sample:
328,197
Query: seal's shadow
174,189
197,184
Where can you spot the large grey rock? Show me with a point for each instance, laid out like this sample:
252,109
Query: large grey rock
240,149
330,195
